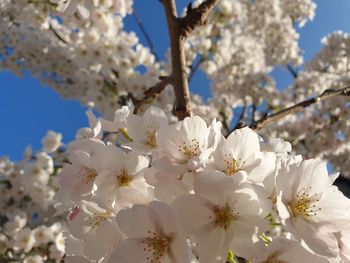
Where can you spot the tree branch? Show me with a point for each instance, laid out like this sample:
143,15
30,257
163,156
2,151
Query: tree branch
327,94
59,37
178,61
197,16
292,71
146,35
152,92
253,112
179,29
194,68
239,124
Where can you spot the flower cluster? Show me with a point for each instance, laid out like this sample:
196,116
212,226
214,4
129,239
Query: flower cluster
329,119
80,48
164,191
93,60
29,230
239,46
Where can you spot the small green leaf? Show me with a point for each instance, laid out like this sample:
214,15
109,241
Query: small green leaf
230,257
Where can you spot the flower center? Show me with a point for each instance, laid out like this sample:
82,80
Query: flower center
157,245
99,218
151,138
123,178
232,165
223,216
304,204
88,174
190,150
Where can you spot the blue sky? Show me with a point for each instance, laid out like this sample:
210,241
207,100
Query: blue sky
28,110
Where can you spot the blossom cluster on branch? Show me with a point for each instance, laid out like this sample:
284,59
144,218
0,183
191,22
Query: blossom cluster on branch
153,185
165,191
30,229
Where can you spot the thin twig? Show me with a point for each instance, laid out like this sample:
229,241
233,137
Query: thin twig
239,124
292,71
194,68
53,30
152,92
253,112
145,34
225,124
327,94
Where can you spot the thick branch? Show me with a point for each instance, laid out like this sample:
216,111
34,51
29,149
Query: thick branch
329,93
179,29
197,16
152,92
178,61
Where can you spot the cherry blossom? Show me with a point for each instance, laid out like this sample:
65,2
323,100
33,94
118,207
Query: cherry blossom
220,217
310,207
152,234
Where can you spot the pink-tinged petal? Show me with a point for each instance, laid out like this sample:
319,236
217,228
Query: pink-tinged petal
261,202
88,146
193,212
215,186
119,120
287,182
344,245
167,217
81,226
135,163
195,128
247,202
321,242
128,251
180,252
282,209
107,232
164,164
260,165
243,143
138,221
244,232
278,247
169,139
155,116
211,244
73,246
106,188
314,174
297,253
69,176
134,195
73,213
133,126
334,210
109,158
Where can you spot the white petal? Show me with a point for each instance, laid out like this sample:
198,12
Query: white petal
138,221
193,211
128,251
243,142
211,244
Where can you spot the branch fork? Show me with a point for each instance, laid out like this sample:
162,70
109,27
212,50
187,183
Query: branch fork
179,30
